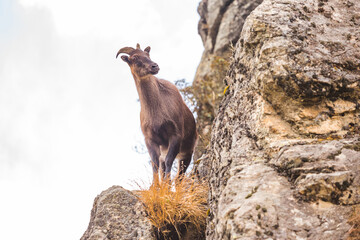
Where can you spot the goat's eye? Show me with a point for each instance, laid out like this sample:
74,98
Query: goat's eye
135,58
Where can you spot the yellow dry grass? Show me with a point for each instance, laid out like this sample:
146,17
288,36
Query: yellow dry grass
176,204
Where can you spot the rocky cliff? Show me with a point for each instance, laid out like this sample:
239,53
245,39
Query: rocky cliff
284,156
284,159
220,26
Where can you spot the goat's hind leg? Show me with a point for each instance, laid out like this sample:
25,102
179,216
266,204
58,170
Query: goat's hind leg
184,162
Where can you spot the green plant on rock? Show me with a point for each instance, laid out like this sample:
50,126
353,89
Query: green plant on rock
204,97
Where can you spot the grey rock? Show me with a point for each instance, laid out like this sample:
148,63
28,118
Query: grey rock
118,215
283,161
221,22
220,25
257,203
327,170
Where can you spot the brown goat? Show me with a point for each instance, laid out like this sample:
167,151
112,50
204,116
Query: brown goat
167,123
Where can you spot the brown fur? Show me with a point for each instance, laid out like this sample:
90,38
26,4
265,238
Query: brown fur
166,122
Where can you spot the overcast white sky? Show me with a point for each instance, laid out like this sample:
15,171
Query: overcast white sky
69,115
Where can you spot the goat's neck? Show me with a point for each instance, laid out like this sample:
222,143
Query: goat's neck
149,93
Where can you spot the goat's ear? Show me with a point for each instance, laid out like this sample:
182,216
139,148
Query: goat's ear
125,58
147,49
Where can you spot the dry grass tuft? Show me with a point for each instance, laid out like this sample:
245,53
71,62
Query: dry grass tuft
170,209
354,221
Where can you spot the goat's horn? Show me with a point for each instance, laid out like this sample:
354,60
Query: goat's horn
126,50
137,46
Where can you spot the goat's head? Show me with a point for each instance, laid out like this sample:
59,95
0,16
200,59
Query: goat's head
139,60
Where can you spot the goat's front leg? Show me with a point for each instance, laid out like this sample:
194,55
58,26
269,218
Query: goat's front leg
173,150
154,152
162,167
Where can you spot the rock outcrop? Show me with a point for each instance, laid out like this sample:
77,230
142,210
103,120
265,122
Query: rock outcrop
284,160
118,214
220,26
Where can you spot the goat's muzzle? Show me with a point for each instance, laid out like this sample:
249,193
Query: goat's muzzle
154,68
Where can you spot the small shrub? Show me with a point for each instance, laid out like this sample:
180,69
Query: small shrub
204,97
169,210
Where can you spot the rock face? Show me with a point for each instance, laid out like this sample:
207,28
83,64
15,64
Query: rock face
284,159
220,25
117,214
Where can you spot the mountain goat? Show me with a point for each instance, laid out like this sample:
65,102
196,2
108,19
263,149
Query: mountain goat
167,123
